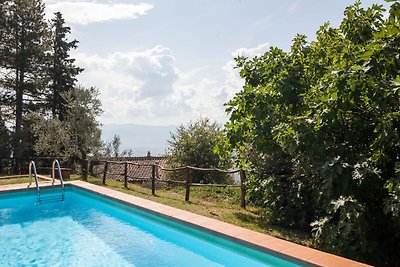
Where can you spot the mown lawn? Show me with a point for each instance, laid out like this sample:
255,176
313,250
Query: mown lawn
218,203
25,179
21,180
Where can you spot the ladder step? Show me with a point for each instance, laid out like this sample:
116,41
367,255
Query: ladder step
40,198
50,199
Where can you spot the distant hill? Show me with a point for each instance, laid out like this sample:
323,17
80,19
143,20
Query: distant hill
141,138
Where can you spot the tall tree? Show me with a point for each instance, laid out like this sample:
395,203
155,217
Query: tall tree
84,107
78,135
112,148
4,142
116,144
4,139
22,49
62,69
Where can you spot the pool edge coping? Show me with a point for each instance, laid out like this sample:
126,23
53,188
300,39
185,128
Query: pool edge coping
264,242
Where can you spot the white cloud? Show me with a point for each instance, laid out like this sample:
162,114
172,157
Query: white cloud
86,12
251,52
134,86
233,82
146,87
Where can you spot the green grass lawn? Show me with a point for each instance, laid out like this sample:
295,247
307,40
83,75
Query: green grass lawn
21,180
218,203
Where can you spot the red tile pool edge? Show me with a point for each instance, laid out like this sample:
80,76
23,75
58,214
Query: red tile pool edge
261,241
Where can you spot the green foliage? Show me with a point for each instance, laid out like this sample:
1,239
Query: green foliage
78,135
53,138
83,109
287,199
335,231
327,113
35,69
112,148
23,44
392,202
5,144
62,70
193,145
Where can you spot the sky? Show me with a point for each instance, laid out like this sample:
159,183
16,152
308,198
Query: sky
167,62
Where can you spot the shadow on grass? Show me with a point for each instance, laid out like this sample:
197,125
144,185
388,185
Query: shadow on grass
260,219
250,217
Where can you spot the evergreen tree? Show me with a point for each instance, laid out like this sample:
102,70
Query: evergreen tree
62,70
22,49
5,145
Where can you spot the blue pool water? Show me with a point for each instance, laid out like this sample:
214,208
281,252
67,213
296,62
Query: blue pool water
89,230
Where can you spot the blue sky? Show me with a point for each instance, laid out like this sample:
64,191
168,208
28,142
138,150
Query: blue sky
167,62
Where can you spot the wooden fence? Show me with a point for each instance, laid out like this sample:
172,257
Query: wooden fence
155,177
9,166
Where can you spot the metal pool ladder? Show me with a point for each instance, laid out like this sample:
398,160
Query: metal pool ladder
33,166
53,170
41,199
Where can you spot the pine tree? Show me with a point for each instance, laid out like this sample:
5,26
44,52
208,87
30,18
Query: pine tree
62,70
22,62
5,144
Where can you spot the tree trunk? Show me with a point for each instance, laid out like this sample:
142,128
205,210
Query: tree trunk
84,165
53,105
17,154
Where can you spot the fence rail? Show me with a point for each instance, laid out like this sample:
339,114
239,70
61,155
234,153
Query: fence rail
155,177
18,166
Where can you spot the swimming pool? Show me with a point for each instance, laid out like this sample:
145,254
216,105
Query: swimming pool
90,230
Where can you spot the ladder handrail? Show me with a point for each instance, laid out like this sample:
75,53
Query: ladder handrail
33,165
59,172
59,175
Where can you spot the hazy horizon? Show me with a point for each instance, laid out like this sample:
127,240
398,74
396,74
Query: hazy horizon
140,138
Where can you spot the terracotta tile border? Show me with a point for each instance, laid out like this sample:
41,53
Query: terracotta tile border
264,242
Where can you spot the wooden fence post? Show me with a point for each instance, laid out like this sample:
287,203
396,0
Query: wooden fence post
157,174
153,180
242,189
105,172
187,184
91,167
126,175
85,169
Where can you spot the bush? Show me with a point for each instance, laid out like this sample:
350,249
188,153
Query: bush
328,114
193,145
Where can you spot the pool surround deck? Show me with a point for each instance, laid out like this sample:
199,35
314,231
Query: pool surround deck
282,248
